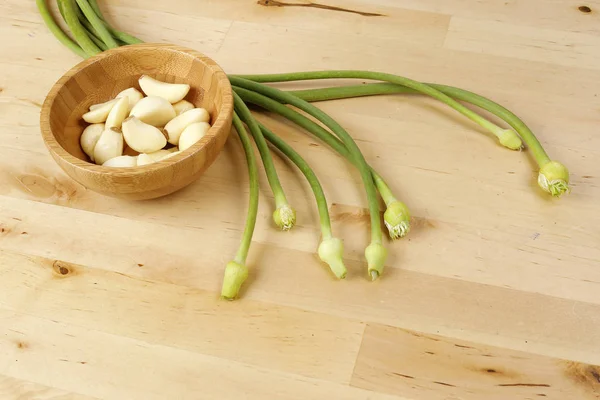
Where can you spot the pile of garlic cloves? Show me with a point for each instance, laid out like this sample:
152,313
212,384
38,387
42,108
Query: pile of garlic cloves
156,123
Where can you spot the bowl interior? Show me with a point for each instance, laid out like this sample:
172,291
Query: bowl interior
104,77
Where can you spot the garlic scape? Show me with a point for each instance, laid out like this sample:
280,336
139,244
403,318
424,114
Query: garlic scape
554,178
331,252
376,256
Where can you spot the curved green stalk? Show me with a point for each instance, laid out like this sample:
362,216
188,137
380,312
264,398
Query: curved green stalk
398,223
57,31
89,29
97,24
236,271
372,89
330,249
507,138
284,215
553,176
96,8
375,252
96,40
121,36
77,29
307,172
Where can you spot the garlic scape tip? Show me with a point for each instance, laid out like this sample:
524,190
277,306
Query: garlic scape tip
509,139
554,178
331,252
234,277
397,219
284,217
376,255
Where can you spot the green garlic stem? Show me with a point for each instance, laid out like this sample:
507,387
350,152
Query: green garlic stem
265,154
384,190
121,36
56,30
380,76
242,252
315,129
309,174
97,24
96,8
89,29
376,234
77,29
371,89
96,39
396,215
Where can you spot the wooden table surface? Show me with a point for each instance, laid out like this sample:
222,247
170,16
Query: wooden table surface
494,295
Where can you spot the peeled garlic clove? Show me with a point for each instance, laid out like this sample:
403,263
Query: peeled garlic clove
132,94
153,110
96,106
89,138
100,113
149,158
110,145
142,137
118,113
192,134
175,126
182,106
171,155
172,92
121,161
144,159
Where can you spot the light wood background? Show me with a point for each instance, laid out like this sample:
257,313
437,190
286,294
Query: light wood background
495,294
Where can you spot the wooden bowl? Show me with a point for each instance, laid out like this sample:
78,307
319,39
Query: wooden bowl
99,79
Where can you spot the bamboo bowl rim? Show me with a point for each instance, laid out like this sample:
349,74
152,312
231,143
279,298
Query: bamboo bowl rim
207,140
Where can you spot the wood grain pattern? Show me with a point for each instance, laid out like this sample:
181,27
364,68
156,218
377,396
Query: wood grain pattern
402,362
18,389
101,78
495,293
